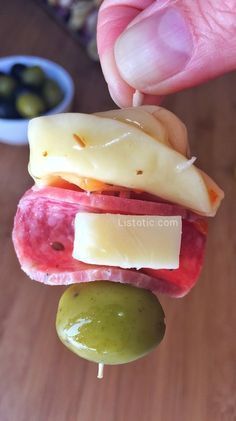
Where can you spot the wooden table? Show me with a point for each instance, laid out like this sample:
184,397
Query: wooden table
192,376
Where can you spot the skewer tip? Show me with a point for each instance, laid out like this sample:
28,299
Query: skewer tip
100,370
137,98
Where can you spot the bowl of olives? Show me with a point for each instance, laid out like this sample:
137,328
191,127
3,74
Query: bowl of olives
29,87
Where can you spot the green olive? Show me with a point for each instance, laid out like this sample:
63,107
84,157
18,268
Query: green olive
109,322
7,86
30,105
33,76
52,93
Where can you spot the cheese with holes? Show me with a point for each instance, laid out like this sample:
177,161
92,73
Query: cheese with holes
128,241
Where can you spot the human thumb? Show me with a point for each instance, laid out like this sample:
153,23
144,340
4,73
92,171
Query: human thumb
181,44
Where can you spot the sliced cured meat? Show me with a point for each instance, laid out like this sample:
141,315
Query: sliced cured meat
109,203
191,259
43,236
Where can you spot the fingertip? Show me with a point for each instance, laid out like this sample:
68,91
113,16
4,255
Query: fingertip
112,20
120,91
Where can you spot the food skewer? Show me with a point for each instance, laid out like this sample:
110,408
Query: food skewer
80,225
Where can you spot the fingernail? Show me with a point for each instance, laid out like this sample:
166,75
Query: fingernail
154,49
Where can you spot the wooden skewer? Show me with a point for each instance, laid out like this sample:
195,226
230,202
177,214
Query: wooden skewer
137,99
186,165
100,370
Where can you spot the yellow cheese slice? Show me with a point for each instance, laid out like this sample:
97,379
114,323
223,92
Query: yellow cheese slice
128,241
72,146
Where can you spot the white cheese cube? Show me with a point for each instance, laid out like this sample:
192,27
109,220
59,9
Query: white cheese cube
128,241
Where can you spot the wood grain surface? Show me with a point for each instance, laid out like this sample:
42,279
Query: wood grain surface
192,375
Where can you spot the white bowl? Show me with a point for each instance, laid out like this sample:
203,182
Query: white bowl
14,131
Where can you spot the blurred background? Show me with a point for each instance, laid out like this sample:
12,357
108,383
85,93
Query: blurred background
192,375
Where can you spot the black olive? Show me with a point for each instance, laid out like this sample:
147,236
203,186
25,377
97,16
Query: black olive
16,70
7,110
22,89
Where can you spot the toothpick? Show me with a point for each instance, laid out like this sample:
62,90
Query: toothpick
185,165
100,371
137,98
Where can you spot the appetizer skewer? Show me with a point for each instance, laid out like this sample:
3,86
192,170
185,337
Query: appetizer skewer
117,197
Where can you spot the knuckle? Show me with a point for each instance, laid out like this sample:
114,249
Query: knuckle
217,17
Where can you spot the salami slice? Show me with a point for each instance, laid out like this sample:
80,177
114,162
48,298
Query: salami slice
43,237
108,203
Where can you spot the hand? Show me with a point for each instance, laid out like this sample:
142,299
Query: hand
163,46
